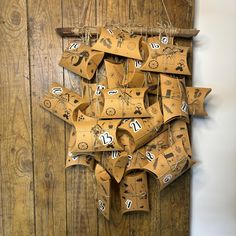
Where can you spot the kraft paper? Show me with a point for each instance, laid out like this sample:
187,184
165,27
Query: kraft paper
142,130
134,193
115,163
124,103
196,98
93,135
170,164
119,42
166,58
103,181
81,60
63,103
174,98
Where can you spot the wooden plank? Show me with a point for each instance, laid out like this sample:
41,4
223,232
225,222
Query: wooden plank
175,199
110,13
17,201
48,131
81,205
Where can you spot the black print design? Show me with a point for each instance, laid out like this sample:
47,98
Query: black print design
83,146
180,65
47,103
120,39
138,109
67,114
167,109
75,61
197,93
98,89
171,51
106,42
110,111
153,64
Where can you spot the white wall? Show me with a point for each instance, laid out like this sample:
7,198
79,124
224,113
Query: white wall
213,211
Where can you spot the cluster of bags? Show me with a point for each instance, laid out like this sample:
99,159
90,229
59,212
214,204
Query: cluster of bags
130,117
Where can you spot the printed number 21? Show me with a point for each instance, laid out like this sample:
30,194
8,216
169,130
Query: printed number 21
135,125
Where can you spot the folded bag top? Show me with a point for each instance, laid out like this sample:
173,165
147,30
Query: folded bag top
81,59
119,42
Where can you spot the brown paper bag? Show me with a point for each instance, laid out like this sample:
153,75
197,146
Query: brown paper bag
134,193
179,131
174,99
142,156
170,164
63,103
76,158
134,77
166,58
118,42
103,181
124,103
142,130
115,163
93,135
81,60
196,98
115,74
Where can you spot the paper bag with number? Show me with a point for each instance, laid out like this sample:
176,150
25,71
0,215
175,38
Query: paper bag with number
81,60
166,58
134,192
174,98
143,130
103,181
170,164
63,103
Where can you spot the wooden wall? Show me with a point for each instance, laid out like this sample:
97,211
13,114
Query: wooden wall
37,195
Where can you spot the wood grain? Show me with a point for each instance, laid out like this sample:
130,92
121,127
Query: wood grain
15,123
81,206
48,131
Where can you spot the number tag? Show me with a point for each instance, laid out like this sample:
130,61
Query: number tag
106,138
109,31
112,92
135,125
114,154
137,64
165,40
154,45
184,107
57,90
73,46
101,205
150,156
128,203
129,160
167,178
98,89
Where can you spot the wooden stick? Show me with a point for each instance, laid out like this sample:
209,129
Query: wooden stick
94,31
